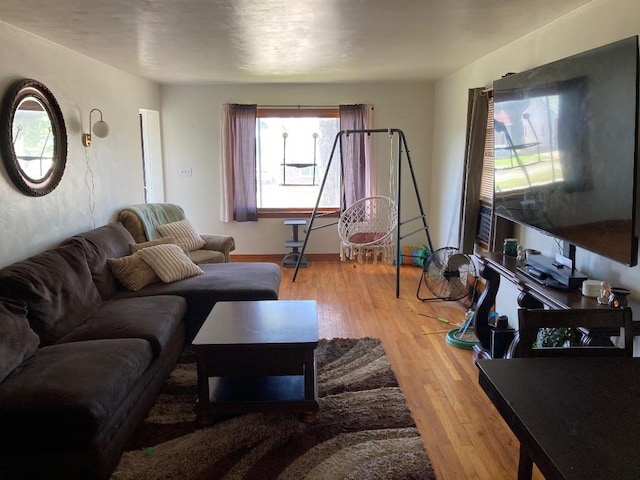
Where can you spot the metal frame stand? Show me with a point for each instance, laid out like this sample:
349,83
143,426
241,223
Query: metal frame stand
403,152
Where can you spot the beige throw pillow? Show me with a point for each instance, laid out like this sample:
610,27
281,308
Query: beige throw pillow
132,271
152,243
169,262
183,233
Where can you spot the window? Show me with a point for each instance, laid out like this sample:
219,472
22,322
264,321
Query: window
483,235
478,225
293,150
486,182
491,230
259,174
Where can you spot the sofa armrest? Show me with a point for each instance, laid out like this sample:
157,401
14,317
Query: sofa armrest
220,243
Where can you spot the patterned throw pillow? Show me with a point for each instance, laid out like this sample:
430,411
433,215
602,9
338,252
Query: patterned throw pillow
169,262
132,271
183,233
152,243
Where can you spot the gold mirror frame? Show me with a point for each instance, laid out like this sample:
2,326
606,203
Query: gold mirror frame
33,137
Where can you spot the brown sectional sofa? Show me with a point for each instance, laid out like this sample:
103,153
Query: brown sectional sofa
73,392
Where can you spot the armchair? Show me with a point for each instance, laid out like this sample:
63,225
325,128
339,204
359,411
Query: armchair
142,221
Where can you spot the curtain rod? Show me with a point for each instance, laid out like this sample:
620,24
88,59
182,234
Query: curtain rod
298,106
488,91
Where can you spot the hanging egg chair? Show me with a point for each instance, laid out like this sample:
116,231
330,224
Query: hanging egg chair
367,227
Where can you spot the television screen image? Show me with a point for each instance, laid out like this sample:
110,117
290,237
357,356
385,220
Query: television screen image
566,149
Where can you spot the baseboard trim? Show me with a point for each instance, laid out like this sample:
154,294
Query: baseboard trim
277,258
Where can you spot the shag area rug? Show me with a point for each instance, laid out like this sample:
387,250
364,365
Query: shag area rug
364,429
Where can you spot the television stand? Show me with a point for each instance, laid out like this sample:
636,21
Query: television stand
494,266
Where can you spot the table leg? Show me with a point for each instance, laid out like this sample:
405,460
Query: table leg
310,384
202,417
310,418
525,465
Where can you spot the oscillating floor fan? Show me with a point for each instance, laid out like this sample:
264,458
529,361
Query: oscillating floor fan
449,275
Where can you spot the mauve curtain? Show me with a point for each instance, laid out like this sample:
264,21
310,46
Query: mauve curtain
238,167
474,159
357,153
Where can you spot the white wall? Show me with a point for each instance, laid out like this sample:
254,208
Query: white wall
29,225
597,23
191,135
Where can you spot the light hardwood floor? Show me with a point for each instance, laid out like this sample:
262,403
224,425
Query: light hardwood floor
463,434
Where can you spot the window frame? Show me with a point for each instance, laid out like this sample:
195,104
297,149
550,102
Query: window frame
297,112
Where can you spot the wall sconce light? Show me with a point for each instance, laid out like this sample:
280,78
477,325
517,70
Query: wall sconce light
100,129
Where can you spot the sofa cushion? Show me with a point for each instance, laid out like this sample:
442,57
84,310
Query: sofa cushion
169,262
108,241
154,319
151,243
57,287
183,233
221,282
66,393
17,341
132,271
206,256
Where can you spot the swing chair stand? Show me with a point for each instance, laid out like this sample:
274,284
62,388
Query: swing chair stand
367,227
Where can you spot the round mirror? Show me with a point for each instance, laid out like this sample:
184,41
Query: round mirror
33,137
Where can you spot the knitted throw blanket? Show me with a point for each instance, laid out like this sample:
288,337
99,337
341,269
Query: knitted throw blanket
153,214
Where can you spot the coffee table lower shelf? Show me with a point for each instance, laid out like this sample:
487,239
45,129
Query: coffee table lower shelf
243,394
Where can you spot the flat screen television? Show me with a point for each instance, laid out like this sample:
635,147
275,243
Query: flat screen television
566,149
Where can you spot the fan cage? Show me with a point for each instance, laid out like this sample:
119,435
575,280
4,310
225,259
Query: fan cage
450,275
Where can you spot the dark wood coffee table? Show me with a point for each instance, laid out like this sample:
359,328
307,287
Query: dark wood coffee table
257,356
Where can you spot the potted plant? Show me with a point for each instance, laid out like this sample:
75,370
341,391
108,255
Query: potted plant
554,337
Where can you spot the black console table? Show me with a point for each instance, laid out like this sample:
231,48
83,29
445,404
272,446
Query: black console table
493,267
570,428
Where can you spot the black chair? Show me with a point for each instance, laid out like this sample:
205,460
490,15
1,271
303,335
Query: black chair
588,328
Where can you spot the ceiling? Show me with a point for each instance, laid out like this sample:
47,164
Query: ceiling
266,41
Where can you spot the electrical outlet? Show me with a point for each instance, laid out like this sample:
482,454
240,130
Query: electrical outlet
185,171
